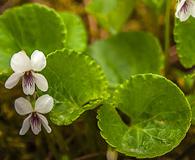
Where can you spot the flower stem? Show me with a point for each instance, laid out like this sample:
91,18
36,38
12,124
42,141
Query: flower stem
167,34
111,154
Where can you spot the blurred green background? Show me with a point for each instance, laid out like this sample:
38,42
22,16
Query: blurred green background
82,140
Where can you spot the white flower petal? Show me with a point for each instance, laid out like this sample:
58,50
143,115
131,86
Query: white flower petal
35,125
13,80
44,123
23,106
44,104
184,10
193,9
28,88
38,60
41,82
25,126
180,4
184,16
20,62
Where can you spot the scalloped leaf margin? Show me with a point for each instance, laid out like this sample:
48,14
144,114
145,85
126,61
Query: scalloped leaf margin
77,84
159,112
29,27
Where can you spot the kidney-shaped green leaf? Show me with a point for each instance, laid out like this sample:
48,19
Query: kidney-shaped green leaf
28,28
159,117
76,37
184,36
126,54
111,14
77,84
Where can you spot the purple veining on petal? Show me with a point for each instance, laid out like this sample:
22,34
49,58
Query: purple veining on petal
186,6
28,79
35,120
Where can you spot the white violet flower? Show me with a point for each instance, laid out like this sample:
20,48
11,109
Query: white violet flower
43,105
185,8
24,68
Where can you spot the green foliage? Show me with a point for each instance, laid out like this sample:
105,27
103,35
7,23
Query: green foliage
77,84
127,54
191,99
156,4
111,14
28,28
76,37
159,117
184,35
144,115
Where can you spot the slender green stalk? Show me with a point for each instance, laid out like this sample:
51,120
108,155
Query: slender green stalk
167,34
111,154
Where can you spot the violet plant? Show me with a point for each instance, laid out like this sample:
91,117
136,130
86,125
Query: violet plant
140,112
